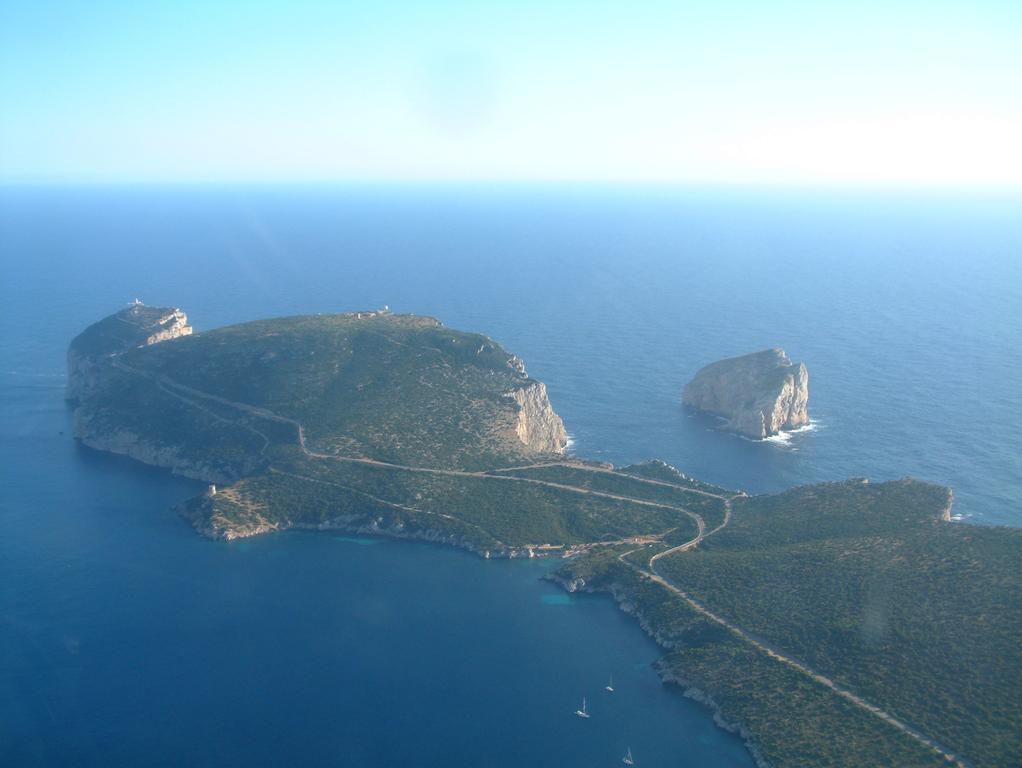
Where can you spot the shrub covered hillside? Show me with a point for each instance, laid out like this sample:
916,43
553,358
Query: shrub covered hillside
869,585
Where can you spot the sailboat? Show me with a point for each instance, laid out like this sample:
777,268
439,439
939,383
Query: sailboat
628,759
609,687
583,712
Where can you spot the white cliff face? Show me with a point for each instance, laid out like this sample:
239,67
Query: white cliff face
760,394
538,426
88,359
134,326
169,325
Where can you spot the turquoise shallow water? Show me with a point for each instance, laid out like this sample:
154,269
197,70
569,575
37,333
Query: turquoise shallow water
125,639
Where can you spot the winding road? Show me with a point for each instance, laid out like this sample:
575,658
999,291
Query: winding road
188,395
651,573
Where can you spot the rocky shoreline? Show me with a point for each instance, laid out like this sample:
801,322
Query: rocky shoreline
357,525
668,676
758,395
123,442
137,326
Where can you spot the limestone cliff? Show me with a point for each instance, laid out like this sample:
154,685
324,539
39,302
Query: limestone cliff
216,406
134,326
760,394
538,426
92,429
89,359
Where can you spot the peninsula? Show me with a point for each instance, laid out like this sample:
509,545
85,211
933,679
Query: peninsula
841,624
759,395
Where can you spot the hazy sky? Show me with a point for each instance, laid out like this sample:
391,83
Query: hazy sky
721,90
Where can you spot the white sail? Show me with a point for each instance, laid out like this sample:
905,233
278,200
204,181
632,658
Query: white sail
582,712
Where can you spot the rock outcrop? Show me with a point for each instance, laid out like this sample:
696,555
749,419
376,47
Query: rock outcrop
538,426
760,394
88,366
91,429
134,326
400,387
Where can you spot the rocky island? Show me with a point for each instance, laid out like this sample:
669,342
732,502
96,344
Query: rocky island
840,624
218,406
759,395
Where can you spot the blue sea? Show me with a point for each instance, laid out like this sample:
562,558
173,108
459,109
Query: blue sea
128,640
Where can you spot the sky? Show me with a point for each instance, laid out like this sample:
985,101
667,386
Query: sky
721,91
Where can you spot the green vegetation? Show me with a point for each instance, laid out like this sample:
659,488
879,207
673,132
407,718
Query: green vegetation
659,470
401,389
489,513
401,419
688,496
396,425
201,433
366,421
790,720
867,584
121,331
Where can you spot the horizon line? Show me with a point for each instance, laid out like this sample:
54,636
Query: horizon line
655,183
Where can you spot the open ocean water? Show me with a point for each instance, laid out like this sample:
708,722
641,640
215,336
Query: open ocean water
128,640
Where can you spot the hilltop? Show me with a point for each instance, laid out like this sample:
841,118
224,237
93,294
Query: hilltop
841,624
394,388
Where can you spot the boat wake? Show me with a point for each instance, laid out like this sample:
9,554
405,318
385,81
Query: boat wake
784,438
